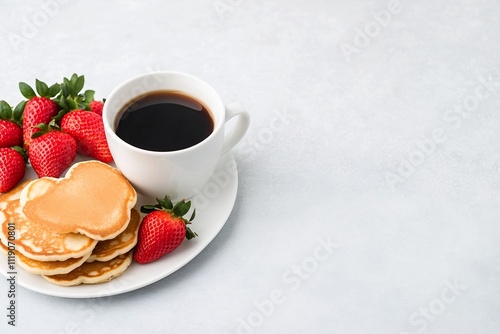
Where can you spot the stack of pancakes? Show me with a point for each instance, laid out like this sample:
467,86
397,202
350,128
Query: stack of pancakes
78,229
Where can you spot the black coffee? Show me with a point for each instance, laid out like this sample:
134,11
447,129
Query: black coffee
164,121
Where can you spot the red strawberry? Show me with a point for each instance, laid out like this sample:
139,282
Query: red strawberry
96,107
12,167
11,133
162,230
88,130
51,153
38,109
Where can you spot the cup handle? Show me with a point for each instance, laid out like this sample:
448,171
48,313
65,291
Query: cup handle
239,130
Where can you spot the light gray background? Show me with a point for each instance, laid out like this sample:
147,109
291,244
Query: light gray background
375,127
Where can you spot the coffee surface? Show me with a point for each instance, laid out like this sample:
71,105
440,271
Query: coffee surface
164,121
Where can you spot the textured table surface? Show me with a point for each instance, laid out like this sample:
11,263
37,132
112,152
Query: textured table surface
369,184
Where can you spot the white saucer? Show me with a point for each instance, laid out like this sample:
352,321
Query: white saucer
213,206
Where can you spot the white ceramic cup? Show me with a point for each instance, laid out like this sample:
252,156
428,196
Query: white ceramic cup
179,174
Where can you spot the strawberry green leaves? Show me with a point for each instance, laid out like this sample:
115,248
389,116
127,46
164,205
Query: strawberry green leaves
17,113
46,91
8,114
5,111
26,90
42,89
178,210
71,97
73,86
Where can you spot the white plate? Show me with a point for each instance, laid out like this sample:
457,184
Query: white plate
213,206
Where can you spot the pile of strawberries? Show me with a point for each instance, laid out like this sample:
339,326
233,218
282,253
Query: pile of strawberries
48,129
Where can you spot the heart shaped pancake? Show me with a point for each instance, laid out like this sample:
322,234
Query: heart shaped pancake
93,199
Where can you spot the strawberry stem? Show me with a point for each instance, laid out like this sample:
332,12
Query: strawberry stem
44,128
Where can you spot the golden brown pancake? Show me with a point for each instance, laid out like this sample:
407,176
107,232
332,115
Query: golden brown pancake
93,199
79,229
45,267
93,272
37,243
125,241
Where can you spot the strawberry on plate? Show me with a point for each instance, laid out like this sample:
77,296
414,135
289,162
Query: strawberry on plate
88,130
38,109
51,151
11,133
163,229
78,119
12,167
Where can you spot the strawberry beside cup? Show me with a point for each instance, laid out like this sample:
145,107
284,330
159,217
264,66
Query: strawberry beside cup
81,117
96,107
88,130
